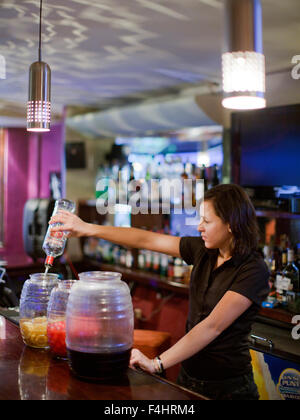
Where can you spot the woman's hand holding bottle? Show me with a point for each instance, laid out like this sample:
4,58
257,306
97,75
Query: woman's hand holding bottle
70,223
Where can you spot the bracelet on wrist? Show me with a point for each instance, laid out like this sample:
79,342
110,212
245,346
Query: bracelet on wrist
154,365
160,367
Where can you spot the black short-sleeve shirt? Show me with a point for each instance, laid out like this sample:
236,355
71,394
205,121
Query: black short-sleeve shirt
228,355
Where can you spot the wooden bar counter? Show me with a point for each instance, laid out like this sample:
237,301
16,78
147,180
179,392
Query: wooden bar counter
32,374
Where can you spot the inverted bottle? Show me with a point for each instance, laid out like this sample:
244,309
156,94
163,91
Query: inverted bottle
55,242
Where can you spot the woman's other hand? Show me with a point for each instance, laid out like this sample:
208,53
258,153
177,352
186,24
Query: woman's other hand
70,223
138,359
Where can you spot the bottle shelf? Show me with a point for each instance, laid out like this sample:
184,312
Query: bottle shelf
149,279
274,214
143,277
277,314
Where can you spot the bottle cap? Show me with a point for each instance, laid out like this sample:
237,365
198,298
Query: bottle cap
49,260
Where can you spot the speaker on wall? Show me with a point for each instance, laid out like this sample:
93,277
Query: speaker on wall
75,155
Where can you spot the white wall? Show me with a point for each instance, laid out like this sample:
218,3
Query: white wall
80,183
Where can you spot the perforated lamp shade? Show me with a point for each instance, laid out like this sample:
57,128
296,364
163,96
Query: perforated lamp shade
39,100
243,62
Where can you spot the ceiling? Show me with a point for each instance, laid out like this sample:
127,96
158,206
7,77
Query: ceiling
106,53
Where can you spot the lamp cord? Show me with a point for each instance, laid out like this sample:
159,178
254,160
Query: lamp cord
40,34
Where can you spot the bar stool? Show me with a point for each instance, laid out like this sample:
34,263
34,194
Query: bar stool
151,343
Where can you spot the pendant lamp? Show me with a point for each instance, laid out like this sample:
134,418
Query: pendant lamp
243,62
39,96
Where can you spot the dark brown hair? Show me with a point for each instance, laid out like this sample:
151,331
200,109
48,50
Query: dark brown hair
233,206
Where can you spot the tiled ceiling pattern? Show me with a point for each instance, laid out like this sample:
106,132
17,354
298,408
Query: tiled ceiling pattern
103,50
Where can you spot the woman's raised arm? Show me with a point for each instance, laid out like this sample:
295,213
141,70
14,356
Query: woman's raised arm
129,237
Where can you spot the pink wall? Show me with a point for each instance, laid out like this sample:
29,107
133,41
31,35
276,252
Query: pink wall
26,174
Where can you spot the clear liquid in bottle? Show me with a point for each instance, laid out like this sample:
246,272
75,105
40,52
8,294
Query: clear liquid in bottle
55,242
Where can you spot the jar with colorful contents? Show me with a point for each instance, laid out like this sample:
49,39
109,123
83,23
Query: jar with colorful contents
99,333
56,317
33,308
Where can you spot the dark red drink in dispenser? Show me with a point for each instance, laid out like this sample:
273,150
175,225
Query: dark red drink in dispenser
97,366
99,329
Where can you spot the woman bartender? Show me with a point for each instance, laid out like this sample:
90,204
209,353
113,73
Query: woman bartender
229,281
